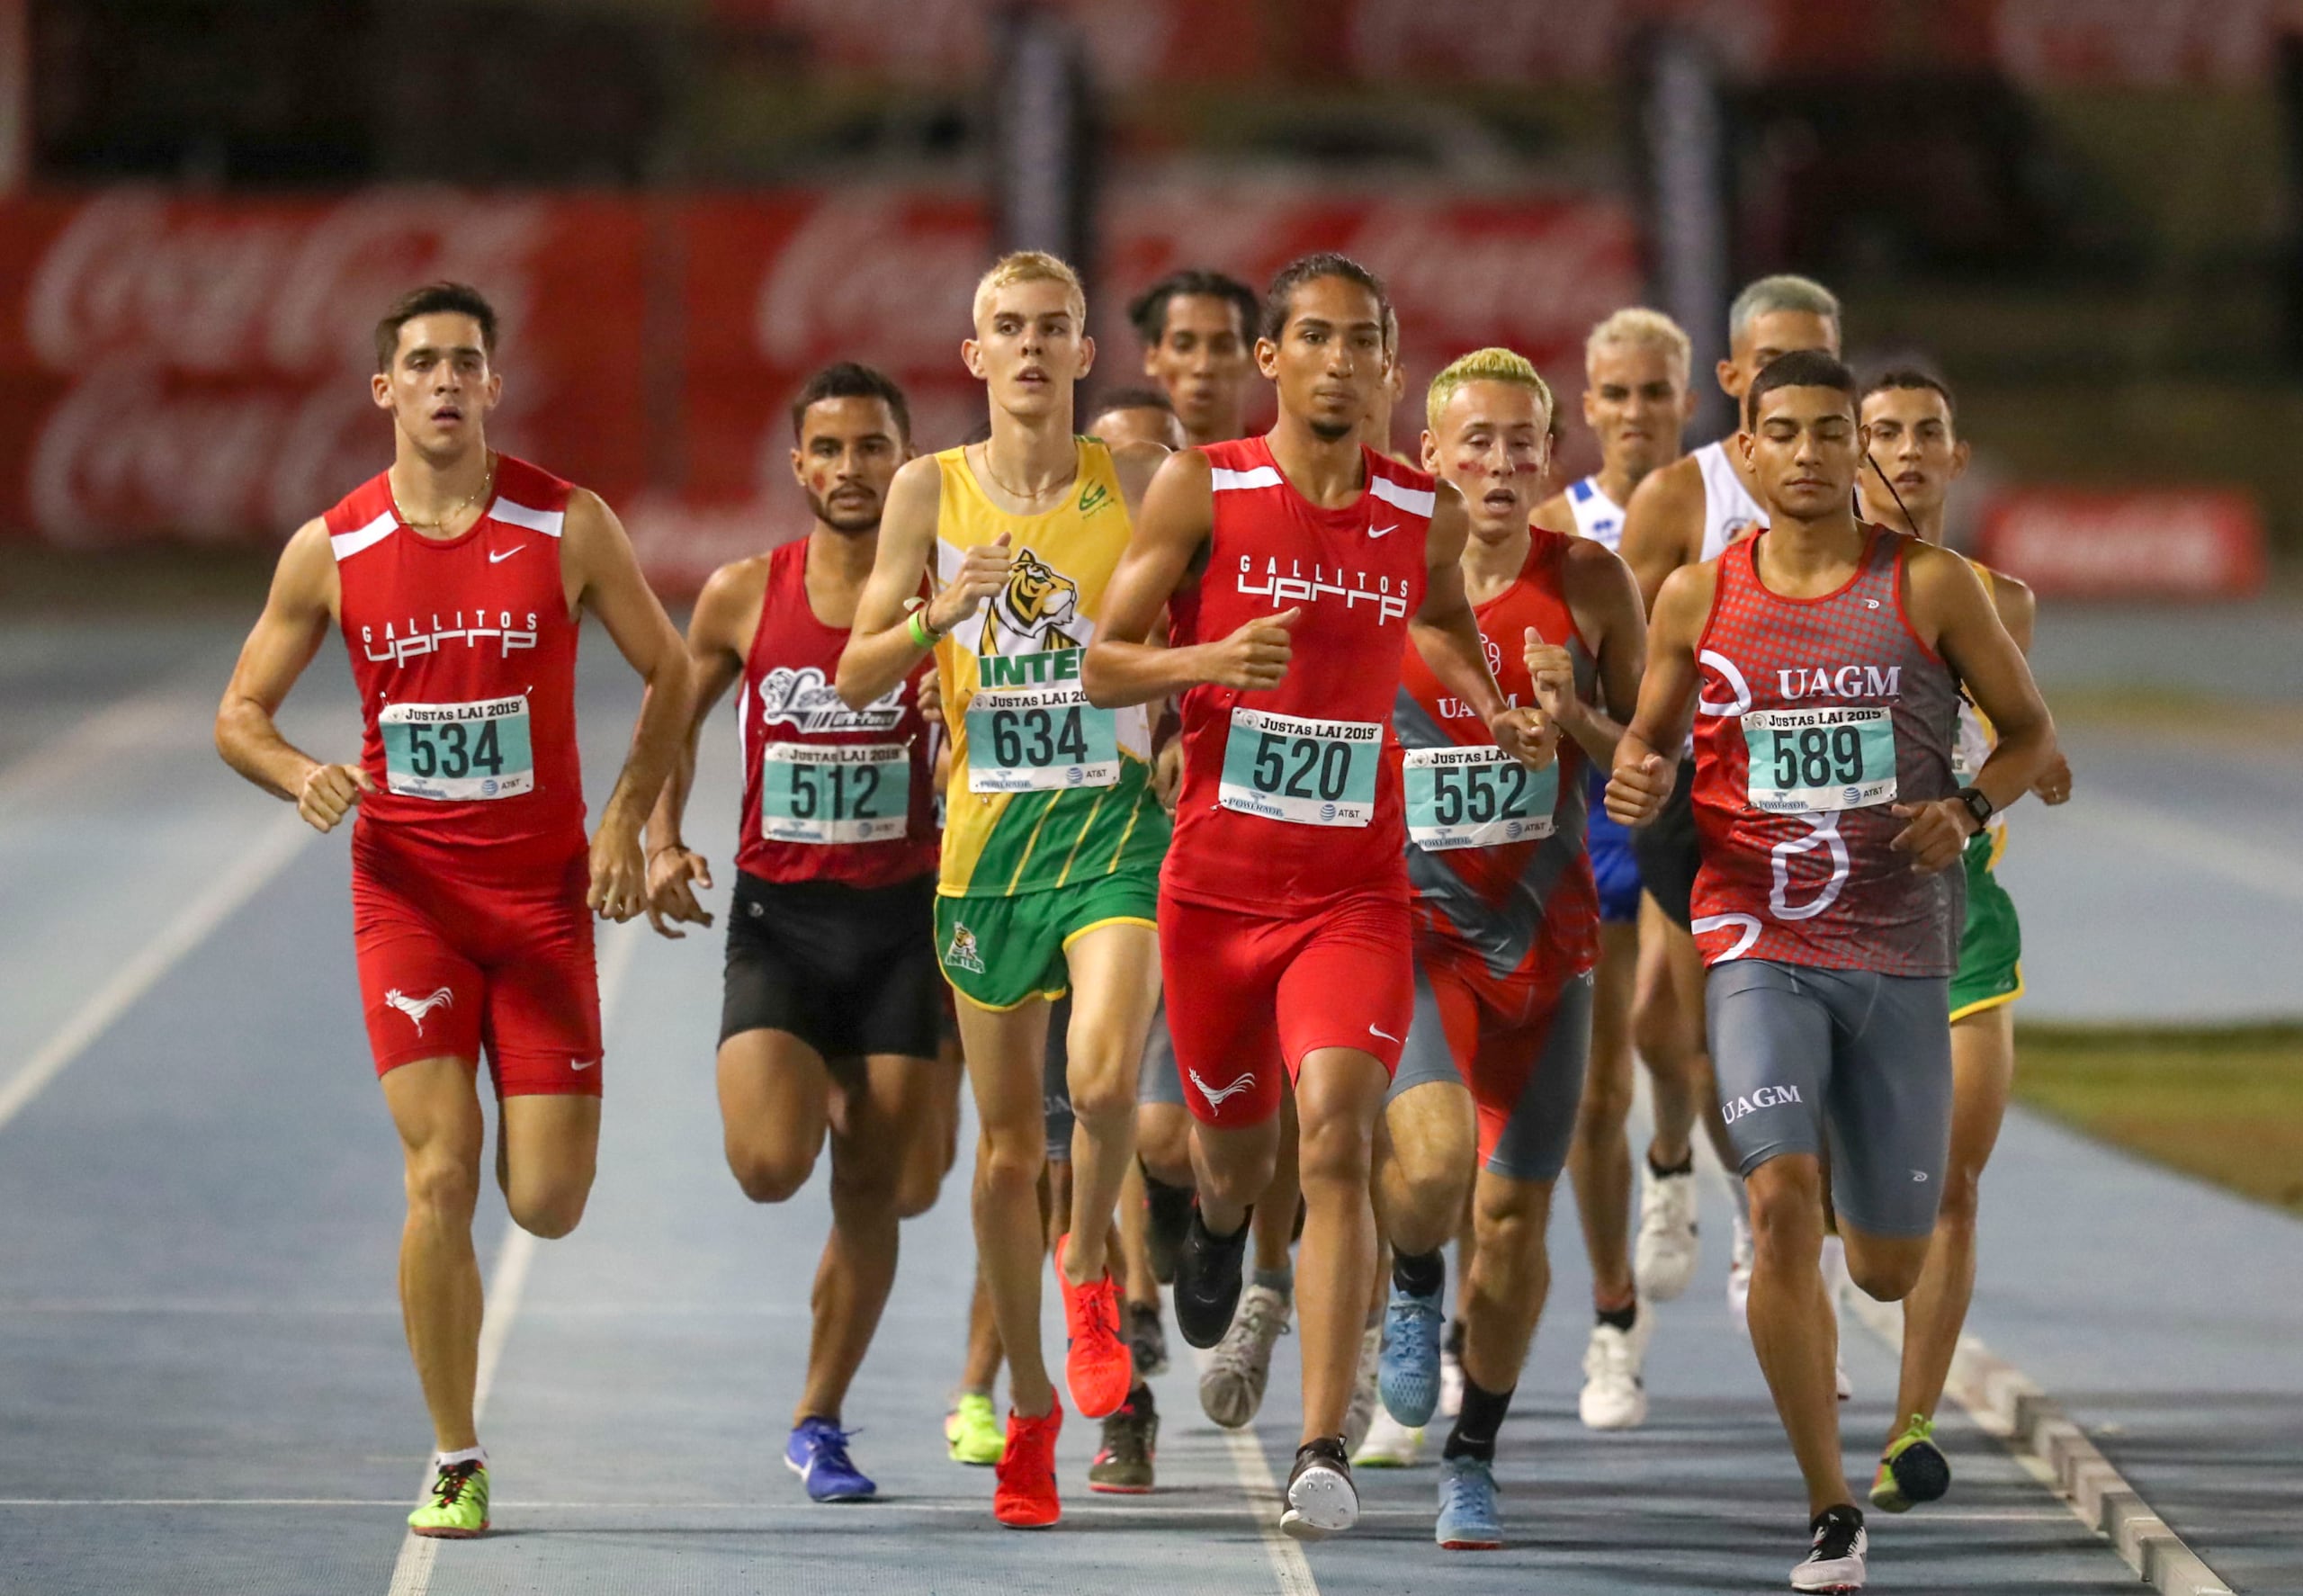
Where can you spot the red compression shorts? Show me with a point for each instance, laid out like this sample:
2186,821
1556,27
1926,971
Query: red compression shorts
1522,1047
1250,994
466,949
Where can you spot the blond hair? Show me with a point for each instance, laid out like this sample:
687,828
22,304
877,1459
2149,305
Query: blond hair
1640,328
1484,366
1030,266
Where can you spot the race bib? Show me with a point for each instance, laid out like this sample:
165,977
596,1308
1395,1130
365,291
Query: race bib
1805,760
1029,739
817,793
456,752
1308,773
1476,797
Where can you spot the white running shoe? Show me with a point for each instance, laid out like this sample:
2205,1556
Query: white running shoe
1231,1388
1837,1284
1663,1258
1451,1371
1365,1405
1739,1274
1835,1561
1390,1444
1615,1394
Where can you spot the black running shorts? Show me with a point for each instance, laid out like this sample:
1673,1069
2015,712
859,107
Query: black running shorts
1666,850
849,970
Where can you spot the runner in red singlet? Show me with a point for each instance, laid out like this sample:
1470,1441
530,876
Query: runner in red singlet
1824,660
829,1026
1296,566
458,577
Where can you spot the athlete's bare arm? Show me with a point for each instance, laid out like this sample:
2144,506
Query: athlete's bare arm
880,648
2017,608
603,576
1123,667
1946,600
1642,777
718,636
1553,515
1605,603
1445,631
297,614
1662,526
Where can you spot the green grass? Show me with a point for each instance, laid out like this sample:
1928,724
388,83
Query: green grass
2225,1105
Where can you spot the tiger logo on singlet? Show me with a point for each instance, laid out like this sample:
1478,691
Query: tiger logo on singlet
1033,611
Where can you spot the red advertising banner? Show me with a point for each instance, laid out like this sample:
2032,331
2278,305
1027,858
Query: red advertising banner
2171,544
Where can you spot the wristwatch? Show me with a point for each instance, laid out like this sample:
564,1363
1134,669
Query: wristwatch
1978,804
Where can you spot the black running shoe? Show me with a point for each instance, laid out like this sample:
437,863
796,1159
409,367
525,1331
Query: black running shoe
1169,1216
1322,1500
1147,1339
1208,1280
1835,1557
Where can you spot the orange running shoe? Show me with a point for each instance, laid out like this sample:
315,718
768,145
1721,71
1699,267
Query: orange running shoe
1096,1364
1025,1497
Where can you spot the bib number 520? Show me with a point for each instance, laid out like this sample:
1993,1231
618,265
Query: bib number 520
1304,772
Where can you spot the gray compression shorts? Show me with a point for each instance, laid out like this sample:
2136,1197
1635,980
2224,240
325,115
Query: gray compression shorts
1160,1082
1806,1057
1528,1075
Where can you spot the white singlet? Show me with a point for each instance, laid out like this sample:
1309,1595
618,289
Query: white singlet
1729,511
1597,517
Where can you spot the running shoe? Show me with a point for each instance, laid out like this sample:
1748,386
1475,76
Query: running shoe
1467,1516
1738,1273
1097,1364
1207,1280
1834,1560
1361,1414
1322,1500
1147,1340
1232,1386
1025,1496
1664,1257
1123,1466
973,1429
1408,1374
1390,1444
1615,1387
818,1453
456,1506
1169,1208
1451,1371
1914,1470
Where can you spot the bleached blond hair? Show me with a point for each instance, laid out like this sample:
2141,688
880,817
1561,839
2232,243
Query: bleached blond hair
1484,366
1031,265
1637,327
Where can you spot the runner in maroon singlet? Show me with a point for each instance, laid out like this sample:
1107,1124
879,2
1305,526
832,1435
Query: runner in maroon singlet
1823,659
829,1023
458,577
1296,566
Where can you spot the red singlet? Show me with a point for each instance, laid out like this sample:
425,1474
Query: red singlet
852,797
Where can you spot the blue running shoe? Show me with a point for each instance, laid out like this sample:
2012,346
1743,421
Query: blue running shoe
1408,1375
818,1453
1467,1520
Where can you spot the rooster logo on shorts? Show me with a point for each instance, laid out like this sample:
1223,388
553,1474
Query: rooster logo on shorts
415,1009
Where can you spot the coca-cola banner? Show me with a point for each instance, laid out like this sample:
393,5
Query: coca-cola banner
2163,543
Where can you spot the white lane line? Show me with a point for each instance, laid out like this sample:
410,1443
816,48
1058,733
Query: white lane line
245,876
1288,1568
506,1283
2256,865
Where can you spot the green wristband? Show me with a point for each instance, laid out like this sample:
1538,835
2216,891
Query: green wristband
917,627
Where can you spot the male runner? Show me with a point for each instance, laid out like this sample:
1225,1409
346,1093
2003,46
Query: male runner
1284,924
1507,919
828,1027
1198,330
1823,659
1637,401
457,577
1914,455
1051,837
1138,415
1684,513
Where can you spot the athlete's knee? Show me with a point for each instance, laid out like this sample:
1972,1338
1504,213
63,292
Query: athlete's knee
919,1184
1606,1105
1787,1210
1163,1142
548,1210
1961,1195
864,1180
1430,1195
769,1174
1885,1274
1102,1089
1009,1160
442,1187
1333,1149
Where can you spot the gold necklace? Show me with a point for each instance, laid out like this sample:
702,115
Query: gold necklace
1015,492
486,487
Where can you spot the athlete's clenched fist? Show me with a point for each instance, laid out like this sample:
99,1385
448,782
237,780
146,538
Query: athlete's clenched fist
1255,657
1551,668
331,792
983,572
1938,833
1528,735
1638,785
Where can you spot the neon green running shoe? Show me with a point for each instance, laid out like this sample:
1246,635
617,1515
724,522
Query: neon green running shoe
1914,1469
974,1430
456,1507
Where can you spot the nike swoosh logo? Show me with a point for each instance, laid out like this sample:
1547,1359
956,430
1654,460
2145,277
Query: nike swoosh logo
1376,532
499,558
586,1064
1386,1036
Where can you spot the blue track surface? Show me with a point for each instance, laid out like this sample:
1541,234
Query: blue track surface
199,1345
